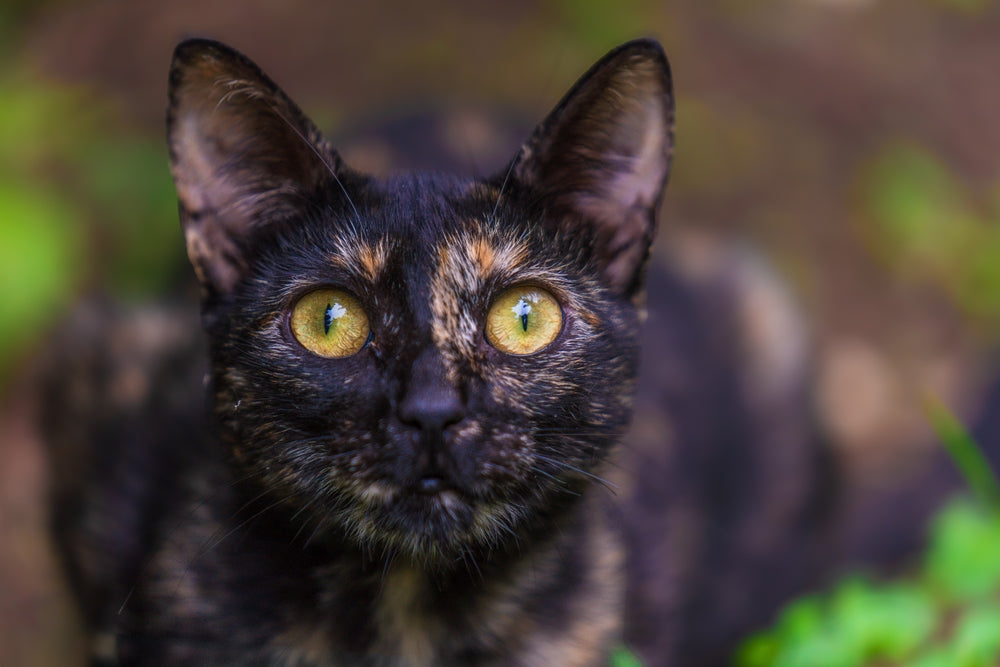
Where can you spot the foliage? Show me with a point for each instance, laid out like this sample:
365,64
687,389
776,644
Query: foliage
74,186
946,614
38,261
622,657
924,223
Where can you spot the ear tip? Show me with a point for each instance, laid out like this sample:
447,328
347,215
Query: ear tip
643,46
649,44
652,49
645,49
193,49
195,61
198,61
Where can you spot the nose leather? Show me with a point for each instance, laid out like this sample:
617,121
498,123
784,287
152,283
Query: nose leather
431,402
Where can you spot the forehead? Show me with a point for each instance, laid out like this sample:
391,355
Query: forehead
436,246
419,229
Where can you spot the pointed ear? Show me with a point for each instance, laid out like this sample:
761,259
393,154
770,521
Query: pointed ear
600,161
242,154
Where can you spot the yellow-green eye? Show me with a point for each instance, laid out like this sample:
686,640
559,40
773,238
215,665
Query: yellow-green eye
330,323
523,320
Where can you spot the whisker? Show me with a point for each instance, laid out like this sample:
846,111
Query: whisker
332,456
554,478
611,486
320,524
322,158
388,558
307,519
241,524
468,559
216,539
575,433
302,527
548,474
213,539
503,185
186,518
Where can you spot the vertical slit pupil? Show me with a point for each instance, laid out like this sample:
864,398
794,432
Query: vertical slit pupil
327,318
521,310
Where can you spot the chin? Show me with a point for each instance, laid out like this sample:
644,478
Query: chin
434,529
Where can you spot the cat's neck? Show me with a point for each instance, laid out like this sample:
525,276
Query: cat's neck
557,599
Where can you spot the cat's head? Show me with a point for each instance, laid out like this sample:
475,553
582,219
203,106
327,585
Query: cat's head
426,364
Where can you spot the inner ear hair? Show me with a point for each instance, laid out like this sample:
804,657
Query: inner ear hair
242,154
602,157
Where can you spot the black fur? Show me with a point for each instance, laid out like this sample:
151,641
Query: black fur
294,525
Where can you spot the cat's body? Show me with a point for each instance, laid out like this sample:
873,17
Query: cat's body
438,494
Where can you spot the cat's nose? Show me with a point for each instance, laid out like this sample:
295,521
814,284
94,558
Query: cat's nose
432,409
431,401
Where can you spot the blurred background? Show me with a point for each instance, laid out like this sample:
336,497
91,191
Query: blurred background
854,143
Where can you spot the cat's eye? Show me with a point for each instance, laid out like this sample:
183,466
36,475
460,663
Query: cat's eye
523,320
330,323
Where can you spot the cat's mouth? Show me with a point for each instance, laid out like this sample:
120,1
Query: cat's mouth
439,506
430,518
433,498
432,484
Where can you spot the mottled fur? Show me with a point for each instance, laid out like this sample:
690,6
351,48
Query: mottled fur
290,527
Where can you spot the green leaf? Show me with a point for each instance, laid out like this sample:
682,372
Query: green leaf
977,636
823,649
130,185
923,222
939,656
889,622
39,261
622,657
915,202
759,650
964,451
801,619
963,559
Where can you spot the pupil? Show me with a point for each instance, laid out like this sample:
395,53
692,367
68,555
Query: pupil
327,318
521,310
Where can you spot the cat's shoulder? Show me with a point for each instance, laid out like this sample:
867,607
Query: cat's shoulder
725,475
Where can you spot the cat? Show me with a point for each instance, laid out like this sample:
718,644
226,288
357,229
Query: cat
420,443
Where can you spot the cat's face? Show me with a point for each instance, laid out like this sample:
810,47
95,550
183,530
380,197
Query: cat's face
426,365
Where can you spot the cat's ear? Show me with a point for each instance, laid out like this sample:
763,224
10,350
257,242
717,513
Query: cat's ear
242,155
600,160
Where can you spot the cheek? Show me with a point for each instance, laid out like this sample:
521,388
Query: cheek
572,368
303,398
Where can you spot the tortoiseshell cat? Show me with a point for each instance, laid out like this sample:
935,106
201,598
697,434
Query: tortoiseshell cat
418,389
